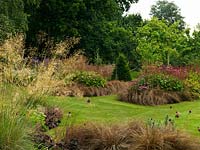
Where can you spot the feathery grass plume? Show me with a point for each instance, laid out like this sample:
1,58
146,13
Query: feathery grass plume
53,73
12,64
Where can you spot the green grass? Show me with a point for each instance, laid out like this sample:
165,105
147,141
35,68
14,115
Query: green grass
107,109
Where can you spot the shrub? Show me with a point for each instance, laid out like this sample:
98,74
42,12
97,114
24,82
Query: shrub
37,118
53,117
122,70
193,83
42,141
157,89
178,72
89,79
165,82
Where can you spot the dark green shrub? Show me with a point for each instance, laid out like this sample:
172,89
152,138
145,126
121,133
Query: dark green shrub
89,79
122,70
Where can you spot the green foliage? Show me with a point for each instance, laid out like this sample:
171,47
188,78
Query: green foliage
126,4
37,118
135,74
193,83
100,32
192,54
89,79
122,70
162,81
60,19
13,19
132,22
157,41
168,11
119,40
6,28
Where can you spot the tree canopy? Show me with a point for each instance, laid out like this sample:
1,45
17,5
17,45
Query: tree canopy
168,11
103,30
90,20
157,41
13,19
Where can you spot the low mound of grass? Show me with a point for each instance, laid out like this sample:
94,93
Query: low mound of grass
155,97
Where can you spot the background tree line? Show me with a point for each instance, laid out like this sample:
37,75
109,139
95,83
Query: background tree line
103,30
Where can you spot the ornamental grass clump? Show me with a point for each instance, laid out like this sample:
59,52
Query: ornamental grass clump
157,89
14,126
13,68
110,88
129,136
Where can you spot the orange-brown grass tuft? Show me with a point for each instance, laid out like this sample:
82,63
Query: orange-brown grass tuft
162,138
154,97
104,70
68,90
111,88
93,137
78,62
132,136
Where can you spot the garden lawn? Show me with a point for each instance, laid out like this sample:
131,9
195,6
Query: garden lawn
107,109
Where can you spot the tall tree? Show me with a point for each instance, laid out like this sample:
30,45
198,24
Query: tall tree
125,4
193,52
168,11
122,70
132,22
90,20
158,41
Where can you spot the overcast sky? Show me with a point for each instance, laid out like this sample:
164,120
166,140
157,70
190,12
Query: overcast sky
190,9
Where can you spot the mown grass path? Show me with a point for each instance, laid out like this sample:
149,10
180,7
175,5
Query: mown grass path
107,109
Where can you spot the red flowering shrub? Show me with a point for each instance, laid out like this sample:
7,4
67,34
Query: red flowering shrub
178,72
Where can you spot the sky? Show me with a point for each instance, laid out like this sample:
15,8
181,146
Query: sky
189,9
